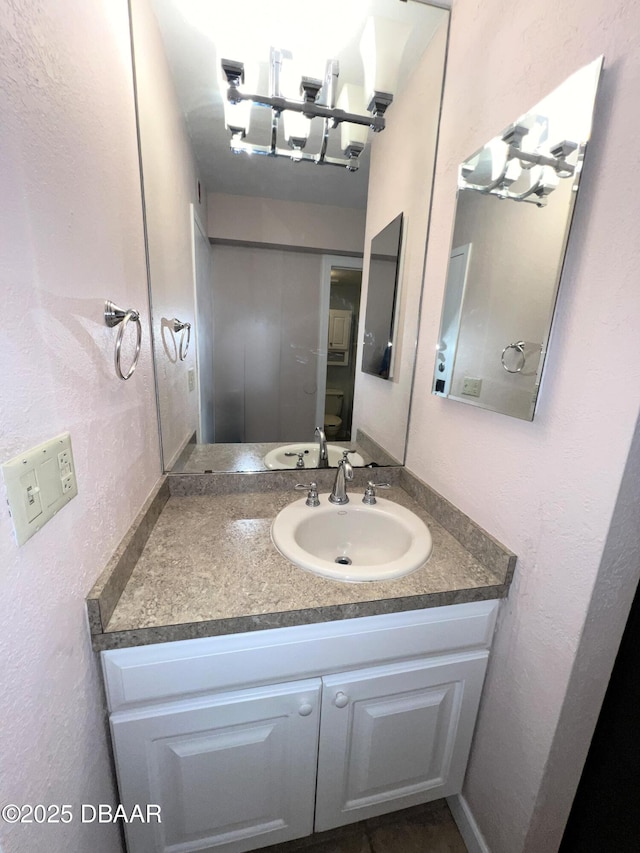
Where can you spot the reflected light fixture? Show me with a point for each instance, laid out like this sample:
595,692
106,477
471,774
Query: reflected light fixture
354,113
503,161
353,137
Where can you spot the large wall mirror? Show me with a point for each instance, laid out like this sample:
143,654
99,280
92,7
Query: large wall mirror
256,216
513,213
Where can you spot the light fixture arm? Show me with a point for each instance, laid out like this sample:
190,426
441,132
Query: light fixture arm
325,140
275,70
308,109
328,98
536,194
240,147
556,163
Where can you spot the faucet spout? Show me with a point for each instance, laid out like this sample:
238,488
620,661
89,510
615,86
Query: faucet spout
323,455
343,474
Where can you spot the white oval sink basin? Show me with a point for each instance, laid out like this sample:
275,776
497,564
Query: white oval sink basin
353,542
278,458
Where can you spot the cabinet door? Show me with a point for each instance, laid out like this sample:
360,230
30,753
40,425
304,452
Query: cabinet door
395,736
233,772
339,329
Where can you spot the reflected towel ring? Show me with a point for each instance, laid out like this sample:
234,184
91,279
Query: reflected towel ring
519,347
179,326
114,316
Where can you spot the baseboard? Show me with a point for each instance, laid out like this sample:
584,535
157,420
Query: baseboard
467,825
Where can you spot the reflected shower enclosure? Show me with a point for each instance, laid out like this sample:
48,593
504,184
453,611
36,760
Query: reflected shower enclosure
267,343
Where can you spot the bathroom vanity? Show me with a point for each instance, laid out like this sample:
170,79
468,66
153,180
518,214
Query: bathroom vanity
251,739
358,700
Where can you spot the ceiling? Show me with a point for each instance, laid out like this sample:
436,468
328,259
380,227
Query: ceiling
198,33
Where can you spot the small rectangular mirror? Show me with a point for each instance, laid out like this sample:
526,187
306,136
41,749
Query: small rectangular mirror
513,213
382,298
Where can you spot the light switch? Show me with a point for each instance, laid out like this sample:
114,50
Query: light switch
31,494
39,483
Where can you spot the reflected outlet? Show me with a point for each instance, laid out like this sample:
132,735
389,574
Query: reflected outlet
471,387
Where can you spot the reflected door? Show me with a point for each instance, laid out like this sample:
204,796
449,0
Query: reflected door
204,335
454,296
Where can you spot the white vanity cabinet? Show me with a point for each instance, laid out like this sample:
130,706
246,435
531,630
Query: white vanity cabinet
402,738
225,769
246,740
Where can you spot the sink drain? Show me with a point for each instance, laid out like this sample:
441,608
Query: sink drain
344,561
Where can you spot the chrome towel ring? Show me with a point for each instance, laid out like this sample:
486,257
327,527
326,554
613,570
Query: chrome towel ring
114,316
519,347
179,326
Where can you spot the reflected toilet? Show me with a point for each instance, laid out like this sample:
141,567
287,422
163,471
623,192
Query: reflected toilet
332,410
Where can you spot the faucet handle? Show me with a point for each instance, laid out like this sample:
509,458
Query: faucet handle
370,492
312,496
300,462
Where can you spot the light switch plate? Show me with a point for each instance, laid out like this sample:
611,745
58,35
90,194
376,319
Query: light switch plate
39,483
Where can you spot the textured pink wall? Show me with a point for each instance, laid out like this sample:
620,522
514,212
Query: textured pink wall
71,236
547,488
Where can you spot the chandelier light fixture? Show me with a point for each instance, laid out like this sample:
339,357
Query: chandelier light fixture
355,111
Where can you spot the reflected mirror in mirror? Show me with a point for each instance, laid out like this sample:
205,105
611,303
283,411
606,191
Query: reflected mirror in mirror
256,216
382,298
513,213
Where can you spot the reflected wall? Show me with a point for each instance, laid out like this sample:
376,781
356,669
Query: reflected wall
169,194
401,176
514,264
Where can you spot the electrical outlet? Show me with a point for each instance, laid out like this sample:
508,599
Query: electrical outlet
64,463
191,378
471,387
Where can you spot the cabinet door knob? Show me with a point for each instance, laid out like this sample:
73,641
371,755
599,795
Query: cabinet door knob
305,709
341,700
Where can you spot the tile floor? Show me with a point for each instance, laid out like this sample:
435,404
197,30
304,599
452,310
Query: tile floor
422,829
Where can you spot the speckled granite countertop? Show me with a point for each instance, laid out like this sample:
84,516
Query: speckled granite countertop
221,458
210,458
208,566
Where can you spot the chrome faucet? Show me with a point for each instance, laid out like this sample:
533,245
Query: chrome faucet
323,456
343,474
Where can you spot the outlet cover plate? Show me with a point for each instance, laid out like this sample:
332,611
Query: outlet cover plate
471,387
39,483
